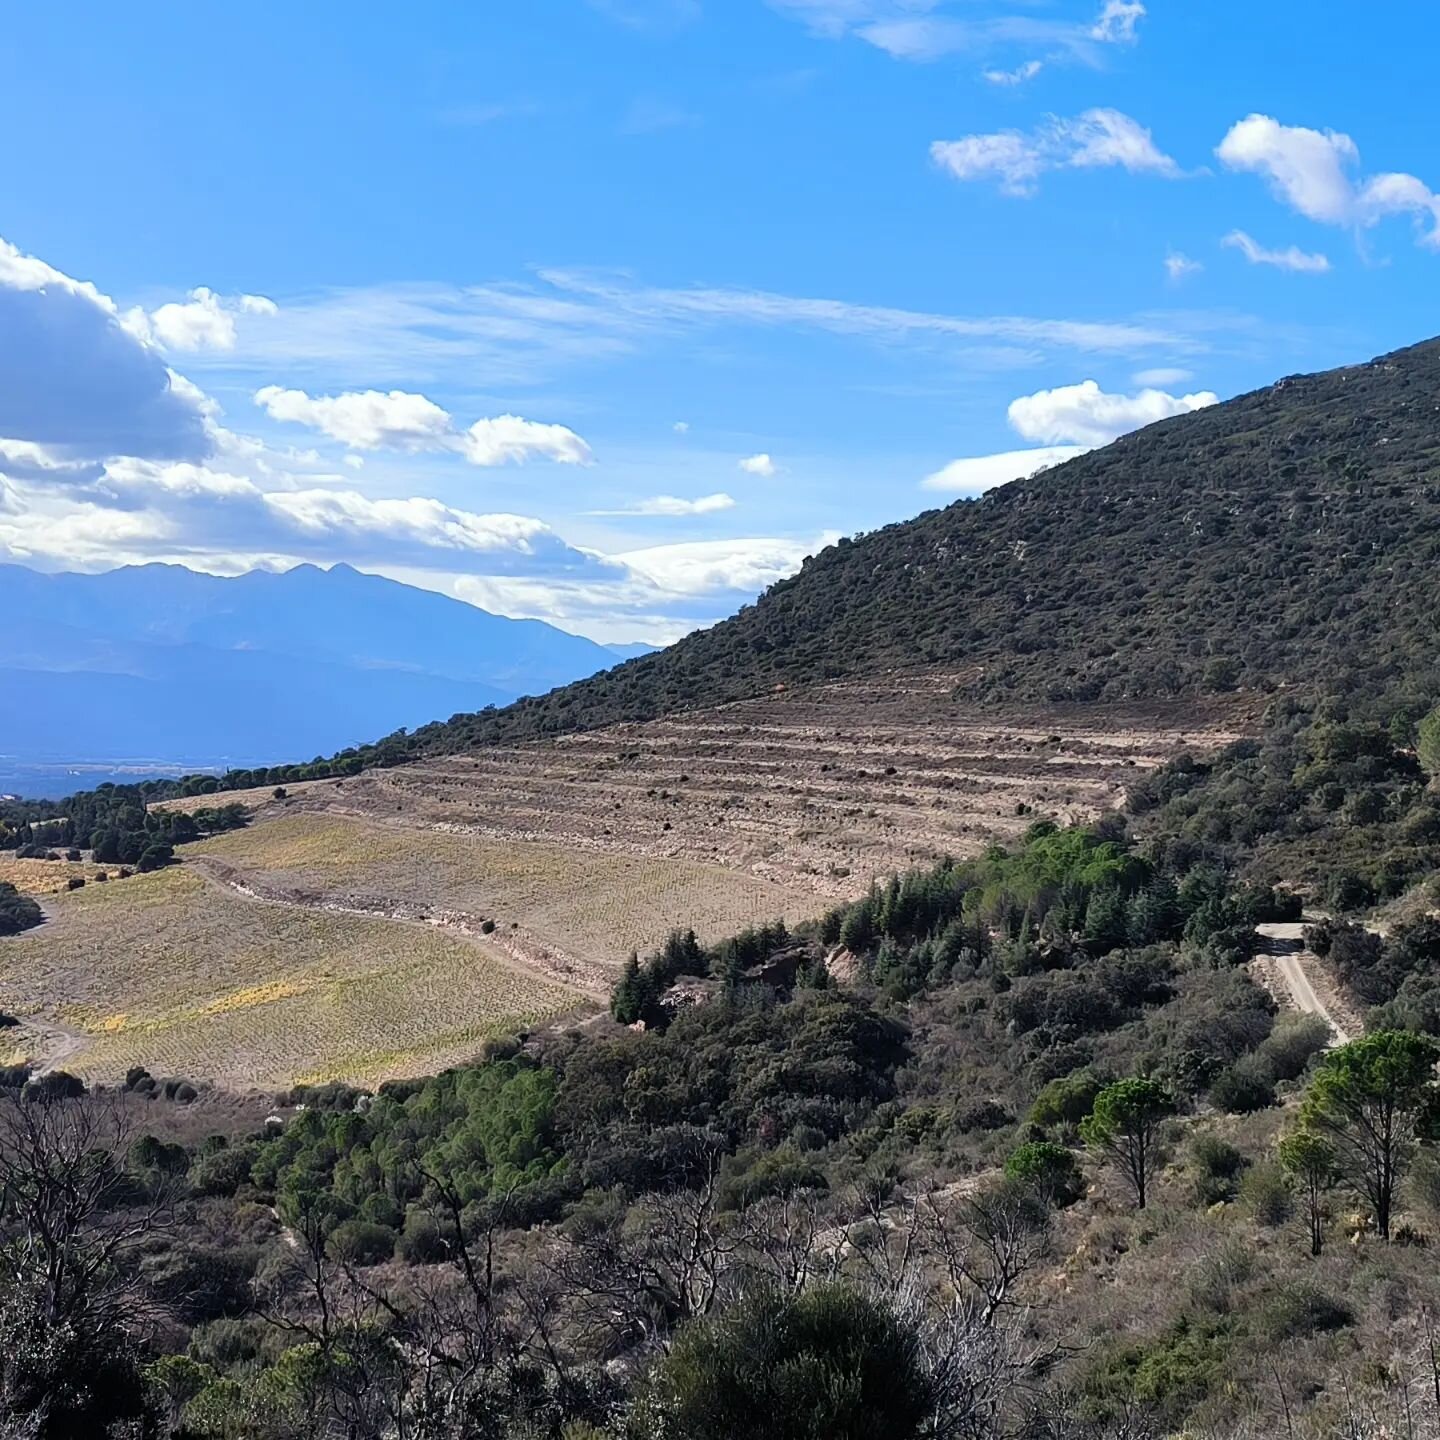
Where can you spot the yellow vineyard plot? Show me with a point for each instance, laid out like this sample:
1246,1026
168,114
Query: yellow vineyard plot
45,877
173,973
596,905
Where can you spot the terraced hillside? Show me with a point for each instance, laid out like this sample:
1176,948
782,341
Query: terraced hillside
819,790
568,914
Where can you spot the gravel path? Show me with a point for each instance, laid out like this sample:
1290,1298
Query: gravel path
1292,963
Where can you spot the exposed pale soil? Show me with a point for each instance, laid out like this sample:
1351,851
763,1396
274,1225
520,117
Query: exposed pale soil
822,788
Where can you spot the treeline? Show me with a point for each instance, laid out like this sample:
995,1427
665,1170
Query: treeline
393,750
114,822
1061,891
1061,896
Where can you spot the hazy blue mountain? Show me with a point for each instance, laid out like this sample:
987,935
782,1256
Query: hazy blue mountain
160,664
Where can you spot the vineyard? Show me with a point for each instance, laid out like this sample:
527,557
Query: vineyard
572,901
170,972
815,790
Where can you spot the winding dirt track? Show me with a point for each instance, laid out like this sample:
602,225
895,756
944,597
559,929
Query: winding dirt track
59,1044
1285,946
589,980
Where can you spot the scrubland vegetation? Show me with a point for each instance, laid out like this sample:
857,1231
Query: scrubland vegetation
1011,1146
1007,1146
927,1166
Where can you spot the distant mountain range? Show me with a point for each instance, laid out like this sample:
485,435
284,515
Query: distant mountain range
161,665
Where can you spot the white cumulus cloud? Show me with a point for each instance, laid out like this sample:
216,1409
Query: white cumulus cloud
1084,414
405,421
73,380
1016,159
1291,258
977,473
508,439
204,321
761,465
364,420
1314,173
702,567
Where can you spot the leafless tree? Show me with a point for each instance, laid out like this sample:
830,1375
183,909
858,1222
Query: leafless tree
634,1281
432,1352
787,1241
71,1223
70,1215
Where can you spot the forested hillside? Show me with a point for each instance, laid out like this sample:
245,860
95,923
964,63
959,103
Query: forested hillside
1288,536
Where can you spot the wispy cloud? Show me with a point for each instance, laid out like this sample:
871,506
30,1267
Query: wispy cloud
1015,160
711,305
1018,76
1116,22
480,113
649,14
1179,266
649,116
1291,258
928,30
674,506
502,336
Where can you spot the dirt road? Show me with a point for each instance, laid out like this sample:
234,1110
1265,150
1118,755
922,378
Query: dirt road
58,1045
53,1044
1290,962
527,958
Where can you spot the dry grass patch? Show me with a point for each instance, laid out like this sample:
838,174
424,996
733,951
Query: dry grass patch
167,971
46,877
256,798
579,900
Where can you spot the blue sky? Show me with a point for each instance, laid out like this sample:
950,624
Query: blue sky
609,312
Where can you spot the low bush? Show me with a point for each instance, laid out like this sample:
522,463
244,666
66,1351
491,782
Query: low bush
361,1242
1267,1194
